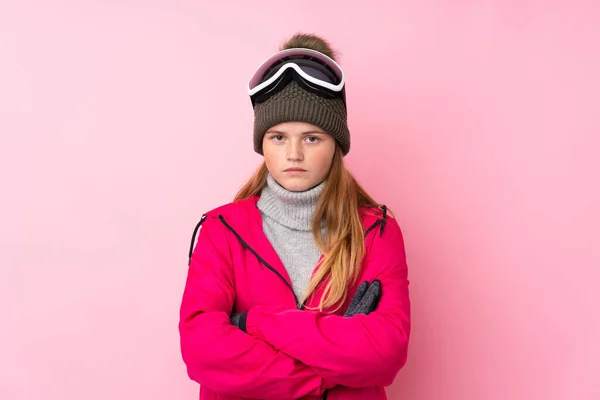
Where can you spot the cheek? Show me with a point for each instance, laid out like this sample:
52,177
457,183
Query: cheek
325,157
269,154
272,164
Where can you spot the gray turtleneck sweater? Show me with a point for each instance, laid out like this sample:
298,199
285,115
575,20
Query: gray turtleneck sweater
287,223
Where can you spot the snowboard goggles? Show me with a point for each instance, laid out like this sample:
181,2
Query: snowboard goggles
312,70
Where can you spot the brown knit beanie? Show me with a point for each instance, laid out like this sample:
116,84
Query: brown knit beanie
293,103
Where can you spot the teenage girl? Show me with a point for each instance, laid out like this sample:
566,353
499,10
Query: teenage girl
297,289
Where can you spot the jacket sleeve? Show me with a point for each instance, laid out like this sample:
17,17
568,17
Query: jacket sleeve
217,354
361,351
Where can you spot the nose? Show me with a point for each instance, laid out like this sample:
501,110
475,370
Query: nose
294,151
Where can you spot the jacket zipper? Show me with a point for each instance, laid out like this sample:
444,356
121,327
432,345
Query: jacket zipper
266,264
262,260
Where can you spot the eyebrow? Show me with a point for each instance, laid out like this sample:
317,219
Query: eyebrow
276,132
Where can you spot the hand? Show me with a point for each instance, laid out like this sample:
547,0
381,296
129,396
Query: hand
239,320
365,300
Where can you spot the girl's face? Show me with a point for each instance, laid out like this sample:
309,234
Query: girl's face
298,154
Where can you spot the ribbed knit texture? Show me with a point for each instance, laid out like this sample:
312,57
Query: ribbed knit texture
293,103
287,223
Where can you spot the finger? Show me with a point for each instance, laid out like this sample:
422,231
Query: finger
376,284
360,292
364,304
370,299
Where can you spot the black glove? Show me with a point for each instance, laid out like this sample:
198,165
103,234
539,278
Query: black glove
239,320
365,300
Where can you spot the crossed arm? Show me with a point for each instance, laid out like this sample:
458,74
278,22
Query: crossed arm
290,353
217,354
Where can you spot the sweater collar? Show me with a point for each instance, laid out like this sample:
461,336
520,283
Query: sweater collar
291,209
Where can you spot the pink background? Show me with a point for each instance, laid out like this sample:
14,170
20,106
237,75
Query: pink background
476,122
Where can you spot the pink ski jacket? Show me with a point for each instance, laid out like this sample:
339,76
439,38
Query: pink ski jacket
288,352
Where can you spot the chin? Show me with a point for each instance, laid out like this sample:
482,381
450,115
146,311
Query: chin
295,186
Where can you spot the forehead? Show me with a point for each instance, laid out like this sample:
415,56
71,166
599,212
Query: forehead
295,128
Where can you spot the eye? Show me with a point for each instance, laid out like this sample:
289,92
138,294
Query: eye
278,138
312,139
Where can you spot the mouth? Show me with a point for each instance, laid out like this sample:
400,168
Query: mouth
294,170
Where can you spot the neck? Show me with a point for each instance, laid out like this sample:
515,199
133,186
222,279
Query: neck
292,209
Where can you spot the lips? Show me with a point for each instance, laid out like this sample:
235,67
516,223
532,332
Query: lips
295,170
